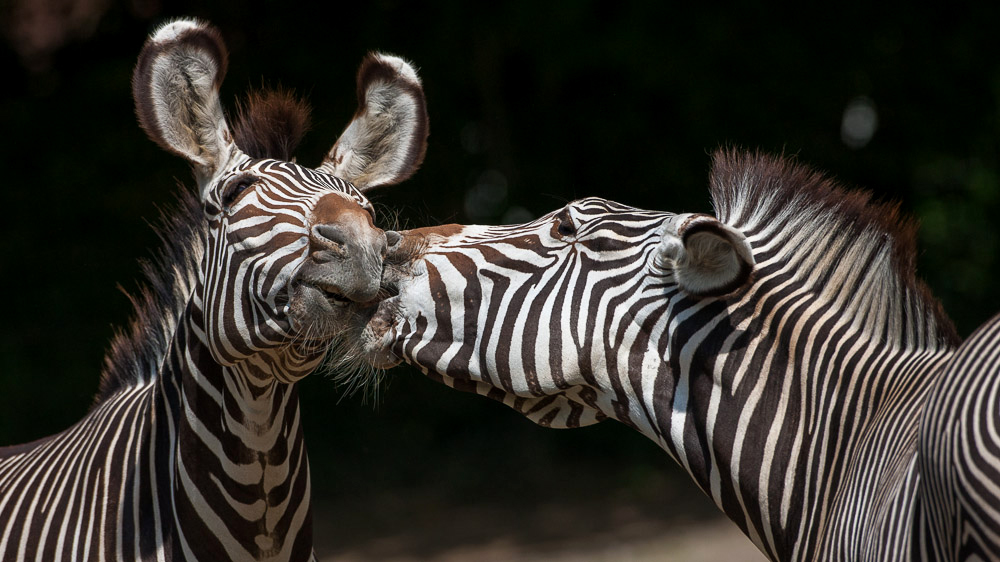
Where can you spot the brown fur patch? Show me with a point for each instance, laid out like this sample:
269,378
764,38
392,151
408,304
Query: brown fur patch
335,208
443,230
271,123
415,241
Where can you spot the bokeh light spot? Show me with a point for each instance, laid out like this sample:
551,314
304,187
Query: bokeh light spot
859,123
486,198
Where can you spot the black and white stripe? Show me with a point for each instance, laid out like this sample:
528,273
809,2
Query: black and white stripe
185,457
194,448
810,399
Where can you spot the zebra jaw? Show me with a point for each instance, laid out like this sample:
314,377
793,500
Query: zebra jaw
332,294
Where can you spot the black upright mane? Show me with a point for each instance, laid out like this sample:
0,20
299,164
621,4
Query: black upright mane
268,124
754,191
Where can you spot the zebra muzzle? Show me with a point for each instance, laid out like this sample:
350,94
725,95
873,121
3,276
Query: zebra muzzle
322,308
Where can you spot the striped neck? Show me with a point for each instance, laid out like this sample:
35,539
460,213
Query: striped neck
774,430
239,473
776,392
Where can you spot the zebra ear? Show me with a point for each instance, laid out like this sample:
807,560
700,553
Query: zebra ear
385,142
707,257
176,90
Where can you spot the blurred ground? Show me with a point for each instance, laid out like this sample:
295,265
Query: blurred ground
419,526
485,484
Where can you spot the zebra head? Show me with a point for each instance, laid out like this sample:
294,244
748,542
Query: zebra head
292,255
523,313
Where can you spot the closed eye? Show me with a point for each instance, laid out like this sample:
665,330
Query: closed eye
235,187
564,224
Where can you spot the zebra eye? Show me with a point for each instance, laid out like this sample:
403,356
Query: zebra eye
234,188
565,224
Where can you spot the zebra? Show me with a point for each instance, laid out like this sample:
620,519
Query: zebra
783,352
193,448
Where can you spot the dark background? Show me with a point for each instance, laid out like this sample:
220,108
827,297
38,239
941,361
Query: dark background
532,104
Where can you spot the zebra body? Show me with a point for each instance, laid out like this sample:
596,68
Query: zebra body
161,471
960,485
194,449
784,354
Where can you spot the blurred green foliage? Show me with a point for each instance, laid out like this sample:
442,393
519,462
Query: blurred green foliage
546,101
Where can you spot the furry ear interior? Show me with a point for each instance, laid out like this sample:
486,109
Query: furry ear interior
708,257
386,141
176,90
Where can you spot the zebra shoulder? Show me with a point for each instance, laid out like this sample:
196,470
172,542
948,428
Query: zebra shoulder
959,452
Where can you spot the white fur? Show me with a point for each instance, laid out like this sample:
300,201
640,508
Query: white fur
170,31
186,103
401,66
376,147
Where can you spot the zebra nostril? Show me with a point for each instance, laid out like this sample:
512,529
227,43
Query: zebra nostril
326,256
329,242
330,232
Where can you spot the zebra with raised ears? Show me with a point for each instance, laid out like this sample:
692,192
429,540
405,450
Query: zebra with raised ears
193,449
783,352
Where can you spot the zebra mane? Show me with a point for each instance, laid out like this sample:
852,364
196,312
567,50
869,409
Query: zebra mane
268,124
764,193
137,352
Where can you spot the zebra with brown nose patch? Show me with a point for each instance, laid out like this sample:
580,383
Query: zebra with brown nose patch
193,449
783,352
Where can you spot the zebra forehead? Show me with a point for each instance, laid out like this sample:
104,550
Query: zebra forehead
599,204
296,179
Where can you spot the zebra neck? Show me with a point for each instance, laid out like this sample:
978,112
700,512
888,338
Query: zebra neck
240,476
780,403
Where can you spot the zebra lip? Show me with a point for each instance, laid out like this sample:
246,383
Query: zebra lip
335,298
332,294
